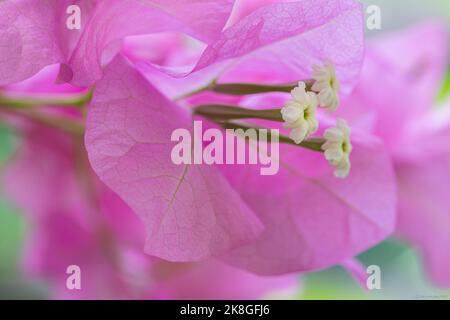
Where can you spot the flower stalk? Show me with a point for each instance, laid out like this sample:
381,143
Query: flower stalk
229,112
241,89
67,125
314,144
74,101
223,114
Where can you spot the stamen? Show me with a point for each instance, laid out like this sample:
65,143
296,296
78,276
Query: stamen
299,114
326,85
338,148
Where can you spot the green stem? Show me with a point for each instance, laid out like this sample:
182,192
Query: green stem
239,89
222,114
77,101
314,144
229,112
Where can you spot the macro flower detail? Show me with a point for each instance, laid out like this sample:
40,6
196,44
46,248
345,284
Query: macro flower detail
326,85
338,148
299,114
185,141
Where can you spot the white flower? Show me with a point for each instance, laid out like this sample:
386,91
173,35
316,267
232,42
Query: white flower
326,85
299,114
338,148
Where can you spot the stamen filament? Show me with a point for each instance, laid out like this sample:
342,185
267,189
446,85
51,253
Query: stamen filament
230,112
240,89
314,144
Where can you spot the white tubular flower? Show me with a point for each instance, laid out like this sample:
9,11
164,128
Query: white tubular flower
299,114
326,85
338,148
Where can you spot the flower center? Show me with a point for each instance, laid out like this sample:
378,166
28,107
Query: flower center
307,114
345,147
332,82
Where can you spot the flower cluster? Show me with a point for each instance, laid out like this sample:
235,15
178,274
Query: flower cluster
96,109
299,115
127,101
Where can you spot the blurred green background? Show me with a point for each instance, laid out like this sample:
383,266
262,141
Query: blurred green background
402,273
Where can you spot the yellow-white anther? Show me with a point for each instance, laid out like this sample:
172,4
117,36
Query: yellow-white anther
326,85
299,113
338,148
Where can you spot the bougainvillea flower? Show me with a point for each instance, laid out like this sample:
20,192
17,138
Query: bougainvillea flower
401,113
319,220
302,219
33,33
313,222
266,45
75,219
128,141
123,135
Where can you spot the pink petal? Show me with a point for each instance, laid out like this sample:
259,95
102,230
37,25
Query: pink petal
41,84
115,19
284,40
424,66
26,39
423,176
205,19
313,220
243,8
213,280
424,213
33,33
190,212
399,83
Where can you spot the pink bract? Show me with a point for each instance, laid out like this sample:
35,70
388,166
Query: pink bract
190,212
130,123
402,112
34,34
